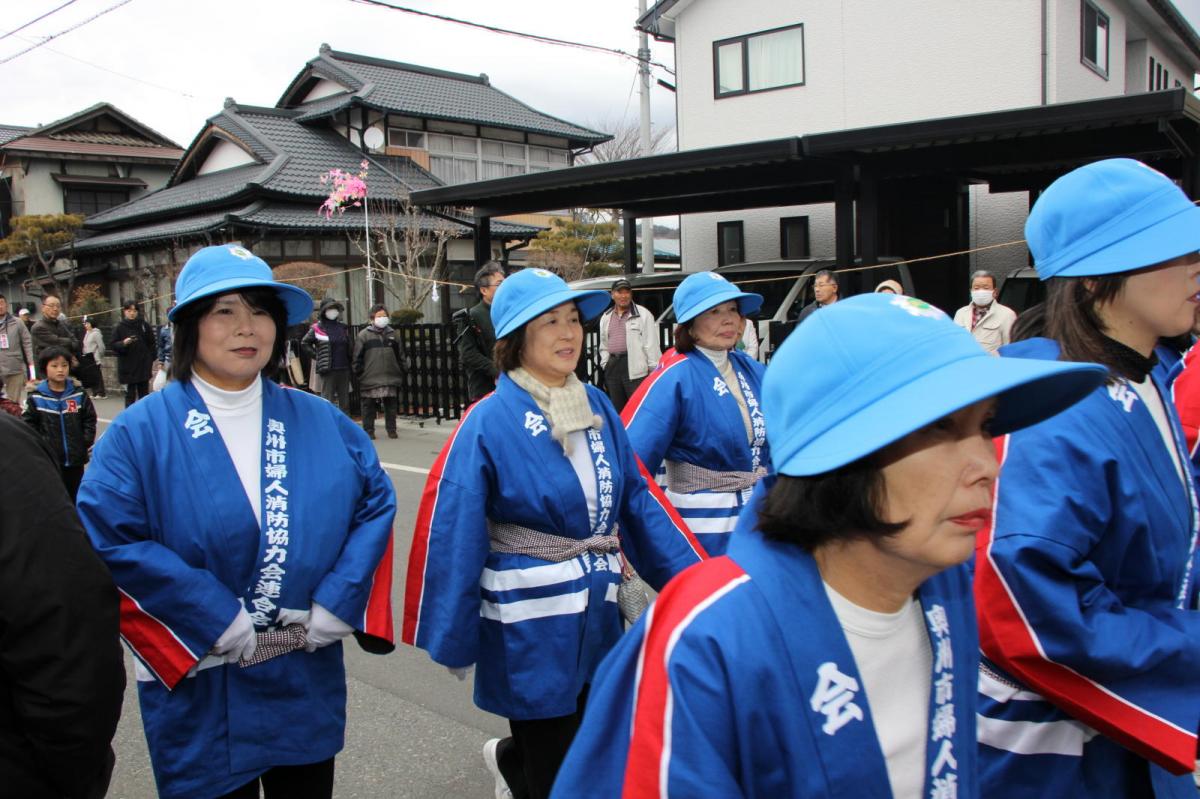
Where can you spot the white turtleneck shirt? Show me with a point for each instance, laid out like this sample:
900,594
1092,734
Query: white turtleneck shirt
238,418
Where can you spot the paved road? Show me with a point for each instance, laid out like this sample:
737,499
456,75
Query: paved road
412,730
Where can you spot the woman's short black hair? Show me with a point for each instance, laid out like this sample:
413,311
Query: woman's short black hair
376,308
125,306
49,354
507,353
843,504
682,339
187,330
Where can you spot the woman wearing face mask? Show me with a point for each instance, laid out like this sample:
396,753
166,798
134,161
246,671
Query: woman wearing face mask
514,564
328,342
1090,684
700,410
248,529
379,367
832,651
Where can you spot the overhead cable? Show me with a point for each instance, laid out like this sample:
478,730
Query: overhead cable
38,19
54,36
507,32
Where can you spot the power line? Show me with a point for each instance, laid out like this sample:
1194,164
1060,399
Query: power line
39,19
118,74
519,34
76,26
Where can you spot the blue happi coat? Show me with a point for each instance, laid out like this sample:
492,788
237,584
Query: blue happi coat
684,412
534,629
166,510
1086,613
739,682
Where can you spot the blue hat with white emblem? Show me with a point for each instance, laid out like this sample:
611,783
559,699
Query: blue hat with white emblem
1109,217
703,290
869,370
531,292
230,267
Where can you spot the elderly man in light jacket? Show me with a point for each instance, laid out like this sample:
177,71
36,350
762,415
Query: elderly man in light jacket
16,353
989,321
628,344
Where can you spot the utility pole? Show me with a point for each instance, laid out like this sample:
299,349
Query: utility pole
644,71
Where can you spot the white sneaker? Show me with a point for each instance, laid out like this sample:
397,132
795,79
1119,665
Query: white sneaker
489,759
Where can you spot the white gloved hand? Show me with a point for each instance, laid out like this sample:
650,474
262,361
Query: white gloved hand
324,628
462,672
238,642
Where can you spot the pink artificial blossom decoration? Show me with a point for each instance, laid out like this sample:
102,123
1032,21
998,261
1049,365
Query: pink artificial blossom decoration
348,189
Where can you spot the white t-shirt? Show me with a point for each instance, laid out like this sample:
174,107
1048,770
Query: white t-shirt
1154,403
895,661
585,470
238,418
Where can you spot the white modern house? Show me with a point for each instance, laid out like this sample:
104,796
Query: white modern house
763,69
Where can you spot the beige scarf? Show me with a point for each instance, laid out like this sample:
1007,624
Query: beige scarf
567,408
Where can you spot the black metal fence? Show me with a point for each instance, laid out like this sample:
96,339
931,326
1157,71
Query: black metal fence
435,386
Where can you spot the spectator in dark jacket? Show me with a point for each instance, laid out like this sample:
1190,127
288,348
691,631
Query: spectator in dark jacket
134,342
61,411
478,337
379,367
328,342
62,678
52,330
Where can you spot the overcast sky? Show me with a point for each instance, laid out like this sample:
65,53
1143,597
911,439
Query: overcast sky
179,59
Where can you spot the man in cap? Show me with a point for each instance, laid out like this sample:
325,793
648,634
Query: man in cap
628,344
16,353
989,321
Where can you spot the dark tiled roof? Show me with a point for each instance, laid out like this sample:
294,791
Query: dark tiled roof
162,231
423,92
265,216
216,187
56,145
295,156
10,132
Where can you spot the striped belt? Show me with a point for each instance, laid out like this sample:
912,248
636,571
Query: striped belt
688,478
515,539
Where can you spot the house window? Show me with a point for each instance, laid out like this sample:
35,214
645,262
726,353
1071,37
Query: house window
759,62
731,247
1094,43
501,159
406,138
90,201
793,237
1153,74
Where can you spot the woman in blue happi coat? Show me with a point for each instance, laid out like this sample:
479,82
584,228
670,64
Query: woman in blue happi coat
1090,684
700,413
248,528
832,652
516,559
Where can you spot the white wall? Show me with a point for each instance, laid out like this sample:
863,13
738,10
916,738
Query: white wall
871,63
225,155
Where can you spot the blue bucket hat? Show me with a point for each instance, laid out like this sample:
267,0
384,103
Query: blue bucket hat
229,267
703,290
1109,217
869,370
531,292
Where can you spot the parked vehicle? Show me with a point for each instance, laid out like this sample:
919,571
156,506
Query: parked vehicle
1022,289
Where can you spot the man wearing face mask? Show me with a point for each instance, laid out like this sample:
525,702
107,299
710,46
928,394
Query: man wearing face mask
328,342
379,367
989,321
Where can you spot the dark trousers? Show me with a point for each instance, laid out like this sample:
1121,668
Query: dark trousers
72,476
136,391
335,387
312,781
616,380
369,407
530,759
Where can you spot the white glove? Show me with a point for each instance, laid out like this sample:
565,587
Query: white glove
238,642
462,672
324,628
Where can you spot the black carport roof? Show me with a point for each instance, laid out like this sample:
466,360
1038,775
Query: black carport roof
1016,150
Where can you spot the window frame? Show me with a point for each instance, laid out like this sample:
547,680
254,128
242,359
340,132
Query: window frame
740,227
1084,5
744,40
74,195
783,240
